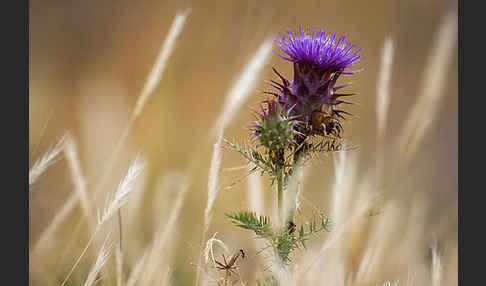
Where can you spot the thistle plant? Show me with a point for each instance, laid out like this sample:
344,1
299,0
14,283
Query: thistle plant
302,118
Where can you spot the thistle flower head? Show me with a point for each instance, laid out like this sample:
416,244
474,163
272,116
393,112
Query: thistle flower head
319,60
274,129
317,49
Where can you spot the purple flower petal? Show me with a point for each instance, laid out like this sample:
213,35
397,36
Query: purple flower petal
316,48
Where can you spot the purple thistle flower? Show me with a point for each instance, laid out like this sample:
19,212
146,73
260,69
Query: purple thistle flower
318,62
317,49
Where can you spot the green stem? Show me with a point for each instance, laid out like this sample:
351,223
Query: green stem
296,172
280,194
292,193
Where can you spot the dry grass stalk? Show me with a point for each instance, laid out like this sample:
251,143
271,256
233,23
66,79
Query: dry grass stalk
256,201
81,192
152,80
80,256
235,98
242,88
45,161
383,103
162,236
389,283
378,244
255,193
290,197
383,86
43,130
138,269
165,277
213,188
431,91
119,266
103,256
79,181
60,216
345,169
162,59
304,173
281,273
436,266
111,207
346,210
122,192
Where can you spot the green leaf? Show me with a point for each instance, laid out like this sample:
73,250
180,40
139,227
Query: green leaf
260,225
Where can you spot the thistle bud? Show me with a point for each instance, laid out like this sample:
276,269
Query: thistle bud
274,129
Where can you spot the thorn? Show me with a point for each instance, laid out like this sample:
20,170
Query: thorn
336,95
341,101
279,84
338,111
341,86
272,93
284,80
275,86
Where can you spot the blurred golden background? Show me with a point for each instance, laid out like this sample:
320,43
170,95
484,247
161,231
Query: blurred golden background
89,62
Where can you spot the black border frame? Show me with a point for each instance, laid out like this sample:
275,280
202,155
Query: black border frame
14,120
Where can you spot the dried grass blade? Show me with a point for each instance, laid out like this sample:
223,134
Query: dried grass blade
243,86
431,90
102,258
78,178
45,161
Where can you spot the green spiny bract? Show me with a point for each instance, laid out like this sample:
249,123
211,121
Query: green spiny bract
274,129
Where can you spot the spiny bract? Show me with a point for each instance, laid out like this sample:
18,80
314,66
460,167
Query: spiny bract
274,129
